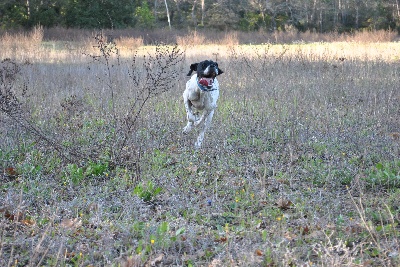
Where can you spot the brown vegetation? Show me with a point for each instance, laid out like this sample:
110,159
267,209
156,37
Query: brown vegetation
301,166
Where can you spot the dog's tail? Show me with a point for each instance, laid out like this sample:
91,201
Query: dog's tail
193,67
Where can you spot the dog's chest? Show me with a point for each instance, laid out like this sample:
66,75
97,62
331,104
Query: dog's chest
205,100
201,99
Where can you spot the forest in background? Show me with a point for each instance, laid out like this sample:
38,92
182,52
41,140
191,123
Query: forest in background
241,15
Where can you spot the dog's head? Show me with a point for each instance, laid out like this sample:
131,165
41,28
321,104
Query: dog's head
207,69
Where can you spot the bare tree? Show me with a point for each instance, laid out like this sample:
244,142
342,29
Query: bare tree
202,12
169,20
178,11
194,19
28,8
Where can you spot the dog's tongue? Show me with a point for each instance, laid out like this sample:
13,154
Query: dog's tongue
206,81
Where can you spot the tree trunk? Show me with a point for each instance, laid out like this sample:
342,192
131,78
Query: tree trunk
357,17
155,10
314,8
262,13
166,7
178,11
202,12
28,8
194,13
320,19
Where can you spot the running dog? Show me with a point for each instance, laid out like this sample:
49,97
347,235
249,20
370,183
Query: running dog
200,97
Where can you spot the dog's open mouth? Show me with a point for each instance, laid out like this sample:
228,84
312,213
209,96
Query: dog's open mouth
207,82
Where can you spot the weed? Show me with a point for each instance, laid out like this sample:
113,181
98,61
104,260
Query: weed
147,192
385,175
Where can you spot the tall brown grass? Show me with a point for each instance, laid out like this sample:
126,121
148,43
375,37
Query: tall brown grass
293,36
189,37
65,45
23,40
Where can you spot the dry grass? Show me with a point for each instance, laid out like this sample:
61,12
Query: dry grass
300,168
377,45
129,43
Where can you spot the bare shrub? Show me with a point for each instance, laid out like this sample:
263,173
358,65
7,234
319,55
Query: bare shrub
11,106
9,103
150,75
36,35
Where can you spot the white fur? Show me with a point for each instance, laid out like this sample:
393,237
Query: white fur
204,103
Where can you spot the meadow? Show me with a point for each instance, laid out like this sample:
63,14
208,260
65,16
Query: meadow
301,166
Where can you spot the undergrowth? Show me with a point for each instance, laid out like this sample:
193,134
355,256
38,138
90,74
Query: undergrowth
300,167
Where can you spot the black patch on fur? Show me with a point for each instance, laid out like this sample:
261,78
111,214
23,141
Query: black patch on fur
200,67
193,67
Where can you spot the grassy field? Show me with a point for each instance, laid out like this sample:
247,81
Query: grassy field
301,166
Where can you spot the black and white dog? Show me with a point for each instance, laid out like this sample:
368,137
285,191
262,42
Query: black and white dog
201,93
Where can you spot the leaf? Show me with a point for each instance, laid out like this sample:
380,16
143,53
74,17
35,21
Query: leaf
316,235
354,229
215,263
290,236
28,222
379,166
373,252
258,252
14,217
69,255
304,230
8,215
282,181
180,231
131,261
395,135
157,260
264,157
192,168
283,204
222,239
163,228
157,191
71,223
10,171
221,230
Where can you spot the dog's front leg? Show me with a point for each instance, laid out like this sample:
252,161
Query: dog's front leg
189,115
204,115
206,125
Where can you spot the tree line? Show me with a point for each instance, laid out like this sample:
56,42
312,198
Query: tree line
243,15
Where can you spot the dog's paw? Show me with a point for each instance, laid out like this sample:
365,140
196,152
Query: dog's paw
198,122
197,145
186,129
191,117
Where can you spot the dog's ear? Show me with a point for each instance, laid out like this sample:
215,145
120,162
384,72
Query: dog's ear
219,70
193,67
